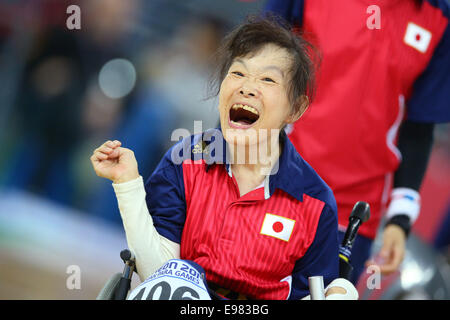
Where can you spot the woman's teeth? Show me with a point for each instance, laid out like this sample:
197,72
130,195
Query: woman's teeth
245,107
243,115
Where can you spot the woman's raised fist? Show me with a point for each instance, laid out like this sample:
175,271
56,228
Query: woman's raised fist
113,162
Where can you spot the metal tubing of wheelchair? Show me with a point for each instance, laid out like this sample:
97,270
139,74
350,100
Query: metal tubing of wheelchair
316,288
123,288
125,281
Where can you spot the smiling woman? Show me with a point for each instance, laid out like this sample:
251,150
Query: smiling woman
207,210
253,93
249,39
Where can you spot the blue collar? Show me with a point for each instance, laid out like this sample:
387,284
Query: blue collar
289,176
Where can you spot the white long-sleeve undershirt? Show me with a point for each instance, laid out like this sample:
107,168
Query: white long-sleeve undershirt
150,248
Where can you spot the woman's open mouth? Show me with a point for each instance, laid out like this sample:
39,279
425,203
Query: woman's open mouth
243,116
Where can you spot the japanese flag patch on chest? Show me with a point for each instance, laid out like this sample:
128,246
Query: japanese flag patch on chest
277,226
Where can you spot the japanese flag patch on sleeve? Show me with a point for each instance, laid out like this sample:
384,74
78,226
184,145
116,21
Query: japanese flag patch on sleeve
277,227
417,37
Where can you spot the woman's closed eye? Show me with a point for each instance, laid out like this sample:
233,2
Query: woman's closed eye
238,73
267,79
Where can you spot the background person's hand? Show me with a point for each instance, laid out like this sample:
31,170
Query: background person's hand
115,163
392,252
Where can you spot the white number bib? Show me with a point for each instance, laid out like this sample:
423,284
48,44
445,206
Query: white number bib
175,280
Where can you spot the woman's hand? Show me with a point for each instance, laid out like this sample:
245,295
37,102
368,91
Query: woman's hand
115,163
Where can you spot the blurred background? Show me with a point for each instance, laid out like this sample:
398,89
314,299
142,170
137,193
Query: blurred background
135,71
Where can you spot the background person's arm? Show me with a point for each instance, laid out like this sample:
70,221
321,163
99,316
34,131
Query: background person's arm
415,144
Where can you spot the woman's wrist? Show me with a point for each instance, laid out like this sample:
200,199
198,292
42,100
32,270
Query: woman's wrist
126,179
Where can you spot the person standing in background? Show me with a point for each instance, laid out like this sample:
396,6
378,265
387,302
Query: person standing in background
382,85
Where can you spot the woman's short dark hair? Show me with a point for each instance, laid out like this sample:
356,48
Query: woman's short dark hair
249,37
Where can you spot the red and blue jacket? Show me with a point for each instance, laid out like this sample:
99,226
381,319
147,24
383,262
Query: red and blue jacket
264,244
